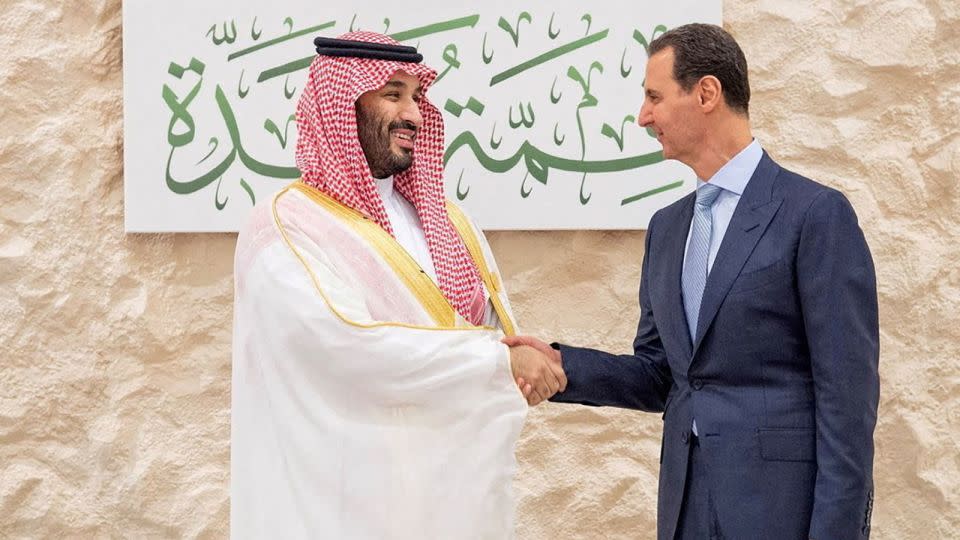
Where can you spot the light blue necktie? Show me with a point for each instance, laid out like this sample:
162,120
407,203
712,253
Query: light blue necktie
695,266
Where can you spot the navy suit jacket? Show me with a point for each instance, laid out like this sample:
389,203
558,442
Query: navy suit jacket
782,376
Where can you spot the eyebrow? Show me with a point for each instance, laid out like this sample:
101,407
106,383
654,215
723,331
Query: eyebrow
401,84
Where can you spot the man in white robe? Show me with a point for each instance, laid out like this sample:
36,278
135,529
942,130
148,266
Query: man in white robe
372,396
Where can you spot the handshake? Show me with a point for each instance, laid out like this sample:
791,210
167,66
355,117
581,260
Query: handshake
536,367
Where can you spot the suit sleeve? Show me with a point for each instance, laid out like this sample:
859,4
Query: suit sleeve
838,294
638,381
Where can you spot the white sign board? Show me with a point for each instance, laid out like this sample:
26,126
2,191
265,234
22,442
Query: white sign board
540,105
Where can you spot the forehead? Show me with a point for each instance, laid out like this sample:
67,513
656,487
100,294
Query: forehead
660,67
402,79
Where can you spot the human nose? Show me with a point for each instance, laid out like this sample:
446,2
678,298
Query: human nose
645,118
411,113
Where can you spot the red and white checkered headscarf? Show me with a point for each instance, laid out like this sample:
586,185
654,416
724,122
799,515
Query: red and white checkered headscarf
330,158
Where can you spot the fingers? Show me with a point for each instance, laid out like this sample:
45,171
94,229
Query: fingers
538,375
535,398
532,397
561,377
550,378
529,392
529,341
513,341
543,390
554,377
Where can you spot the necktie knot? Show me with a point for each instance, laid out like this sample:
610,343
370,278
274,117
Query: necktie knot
707,193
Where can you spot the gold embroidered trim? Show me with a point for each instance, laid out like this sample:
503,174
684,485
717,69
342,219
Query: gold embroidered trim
492,281
403,265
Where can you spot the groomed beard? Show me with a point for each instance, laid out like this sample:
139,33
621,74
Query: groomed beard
375,142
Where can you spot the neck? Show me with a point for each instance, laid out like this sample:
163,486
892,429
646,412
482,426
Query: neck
721,143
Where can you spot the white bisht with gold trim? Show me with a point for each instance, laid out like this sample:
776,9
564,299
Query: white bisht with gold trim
364,406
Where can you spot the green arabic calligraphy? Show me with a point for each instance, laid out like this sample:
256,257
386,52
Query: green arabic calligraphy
271,127
472,105
638,37
461,195
246,187
450,57
494,144
645,194
487,58
540,163
547,56
180,114
292,35
588,100
624,71
222,152
514,31
550,32
288,92
241,91
526,117
229,35
555,98
436,28
617,137
214,143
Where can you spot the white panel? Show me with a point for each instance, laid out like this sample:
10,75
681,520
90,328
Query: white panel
185,171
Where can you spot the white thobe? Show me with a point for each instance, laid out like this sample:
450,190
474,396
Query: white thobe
364,407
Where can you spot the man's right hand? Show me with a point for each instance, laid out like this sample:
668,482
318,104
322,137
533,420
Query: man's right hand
537,368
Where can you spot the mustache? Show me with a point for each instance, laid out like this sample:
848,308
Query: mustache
402,124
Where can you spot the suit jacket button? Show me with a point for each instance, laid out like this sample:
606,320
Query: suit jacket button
685,438
697,384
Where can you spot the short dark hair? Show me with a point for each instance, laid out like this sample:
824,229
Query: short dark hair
706,49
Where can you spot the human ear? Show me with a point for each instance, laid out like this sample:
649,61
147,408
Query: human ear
709,92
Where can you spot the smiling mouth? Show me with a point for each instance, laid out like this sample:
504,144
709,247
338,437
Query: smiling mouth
404,139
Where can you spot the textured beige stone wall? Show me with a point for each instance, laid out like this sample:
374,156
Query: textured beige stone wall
114,375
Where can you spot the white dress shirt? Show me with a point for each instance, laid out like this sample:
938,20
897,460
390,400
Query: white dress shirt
733,178
407,228
408,232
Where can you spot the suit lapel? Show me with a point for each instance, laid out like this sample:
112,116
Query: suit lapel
676,241
756,208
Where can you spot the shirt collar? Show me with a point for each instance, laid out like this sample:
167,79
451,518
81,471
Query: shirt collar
736,173
385,187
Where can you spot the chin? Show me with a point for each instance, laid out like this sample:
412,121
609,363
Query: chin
402,162
404,156
400,153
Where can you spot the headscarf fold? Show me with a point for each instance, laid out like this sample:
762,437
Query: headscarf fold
330,159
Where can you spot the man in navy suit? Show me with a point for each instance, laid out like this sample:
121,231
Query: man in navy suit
758,334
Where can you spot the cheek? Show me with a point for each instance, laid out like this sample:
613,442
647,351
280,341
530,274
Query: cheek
681,121
663,118
390,113
665,113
